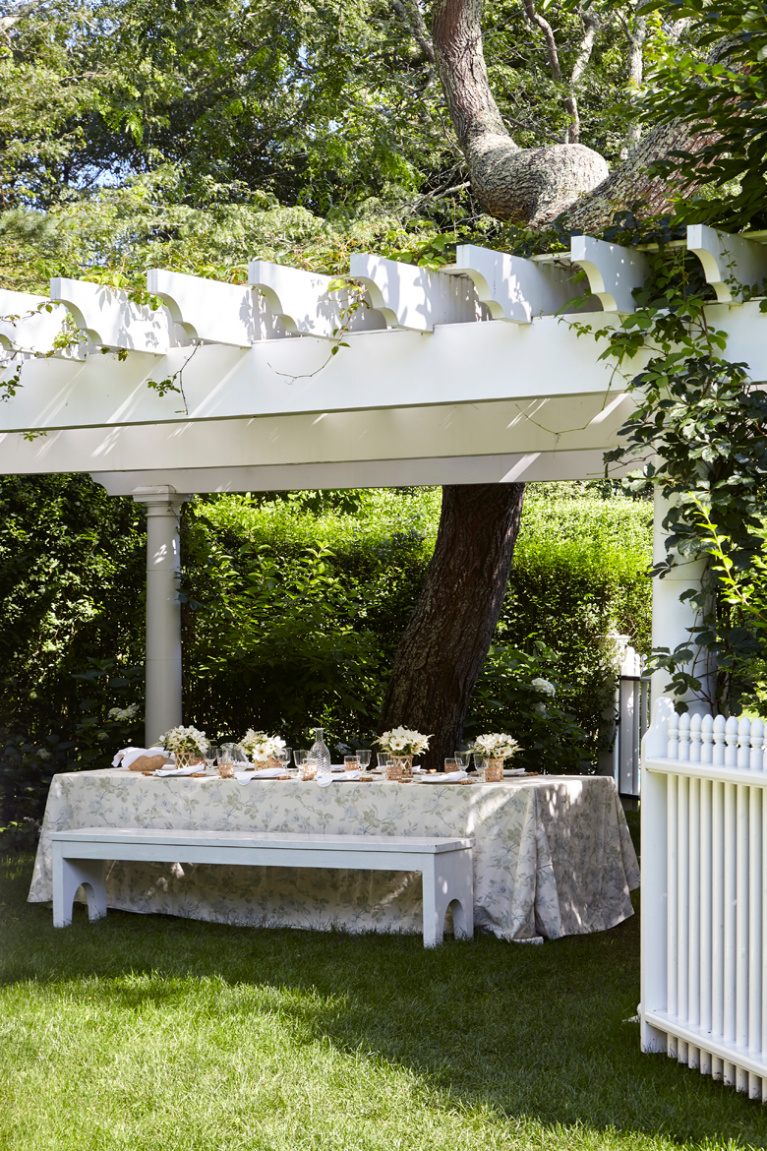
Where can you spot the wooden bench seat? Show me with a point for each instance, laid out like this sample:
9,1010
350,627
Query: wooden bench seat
80,855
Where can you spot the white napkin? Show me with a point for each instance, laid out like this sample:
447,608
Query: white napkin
193,769
262,773
327,778
127,755
443,777
515,771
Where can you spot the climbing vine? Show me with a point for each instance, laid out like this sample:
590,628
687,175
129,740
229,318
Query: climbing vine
699,431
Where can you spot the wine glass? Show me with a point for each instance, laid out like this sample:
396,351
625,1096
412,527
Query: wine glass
211,755
479,763
363,755
464,757
283,755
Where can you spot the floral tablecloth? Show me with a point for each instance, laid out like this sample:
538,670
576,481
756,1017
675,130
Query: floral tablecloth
552,855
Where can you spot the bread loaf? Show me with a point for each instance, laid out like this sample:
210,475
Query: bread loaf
148,762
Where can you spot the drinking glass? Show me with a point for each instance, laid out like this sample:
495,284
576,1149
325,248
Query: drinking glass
363,755
299,758
211,755
464,757
351,763
453,763
384,759
225,760
309,768
284,756
479,763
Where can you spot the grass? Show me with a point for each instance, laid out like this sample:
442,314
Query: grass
147,1032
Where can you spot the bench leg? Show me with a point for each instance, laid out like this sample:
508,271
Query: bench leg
68,875
448,878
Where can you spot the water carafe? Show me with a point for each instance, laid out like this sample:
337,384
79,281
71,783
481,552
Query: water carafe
319,751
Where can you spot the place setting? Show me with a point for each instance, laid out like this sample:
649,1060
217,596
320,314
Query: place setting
185,752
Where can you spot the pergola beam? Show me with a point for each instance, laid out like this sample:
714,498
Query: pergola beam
243,387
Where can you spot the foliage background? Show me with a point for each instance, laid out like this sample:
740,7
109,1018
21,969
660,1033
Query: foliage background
293,604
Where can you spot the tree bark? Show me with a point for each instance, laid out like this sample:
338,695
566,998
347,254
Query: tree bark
449,634
535,186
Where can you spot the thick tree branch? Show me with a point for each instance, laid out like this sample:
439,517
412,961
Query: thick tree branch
411,14
530,186
534,186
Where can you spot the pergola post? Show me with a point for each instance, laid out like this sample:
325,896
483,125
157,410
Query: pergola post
163,609
672,617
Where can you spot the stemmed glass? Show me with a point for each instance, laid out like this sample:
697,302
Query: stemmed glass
283,755
464,757
211,755
363,755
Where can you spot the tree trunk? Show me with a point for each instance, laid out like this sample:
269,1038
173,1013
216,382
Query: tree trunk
526,185
533,186
449,634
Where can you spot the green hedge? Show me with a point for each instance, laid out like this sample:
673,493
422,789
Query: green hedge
292,609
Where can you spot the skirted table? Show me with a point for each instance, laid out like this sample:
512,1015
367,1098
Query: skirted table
552,854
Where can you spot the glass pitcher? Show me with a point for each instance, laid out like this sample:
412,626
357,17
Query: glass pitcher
319,751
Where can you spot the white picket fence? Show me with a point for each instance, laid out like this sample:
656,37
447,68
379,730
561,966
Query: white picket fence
704,895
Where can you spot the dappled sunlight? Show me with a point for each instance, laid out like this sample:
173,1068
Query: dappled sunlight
190,1032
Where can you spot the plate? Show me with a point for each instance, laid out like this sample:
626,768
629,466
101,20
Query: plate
443,777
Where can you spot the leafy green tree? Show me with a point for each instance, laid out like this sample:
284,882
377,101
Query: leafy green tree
723,97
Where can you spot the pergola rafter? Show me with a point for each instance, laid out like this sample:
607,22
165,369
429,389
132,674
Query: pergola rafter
477,373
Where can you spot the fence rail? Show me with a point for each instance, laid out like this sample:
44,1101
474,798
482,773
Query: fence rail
704,824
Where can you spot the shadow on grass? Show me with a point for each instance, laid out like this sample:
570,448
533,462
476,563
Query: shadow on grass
530,1031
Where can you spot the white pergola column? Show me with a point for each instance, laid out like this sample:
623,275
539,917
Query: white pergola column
672,617
163,609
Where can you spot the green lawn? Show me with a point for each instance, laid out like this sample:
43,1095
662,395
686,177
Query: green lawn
146,1032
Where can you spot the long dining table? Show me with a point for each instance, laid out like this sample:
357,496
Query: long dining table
552,854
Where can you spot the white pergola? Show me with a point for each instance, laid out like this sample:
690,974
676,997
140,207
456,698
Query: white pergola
474,374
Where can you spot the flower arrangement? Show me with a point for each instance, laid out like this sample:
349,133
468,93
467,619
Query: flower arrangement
402,741
496,746
260,746
184,741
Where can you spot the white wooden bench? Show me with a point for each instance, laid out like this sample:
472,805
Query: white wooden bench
80,855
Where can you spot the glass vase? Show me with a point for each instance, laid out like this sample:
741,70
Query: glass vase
493,771
400,767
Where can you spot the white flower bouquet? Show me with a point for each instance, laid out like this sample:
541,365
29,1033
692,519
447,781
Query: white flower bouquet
402,741
260,746
496,746
184,741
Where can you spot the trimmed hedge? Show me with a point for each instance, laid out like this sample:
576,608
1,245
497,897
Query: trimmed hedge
292,607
